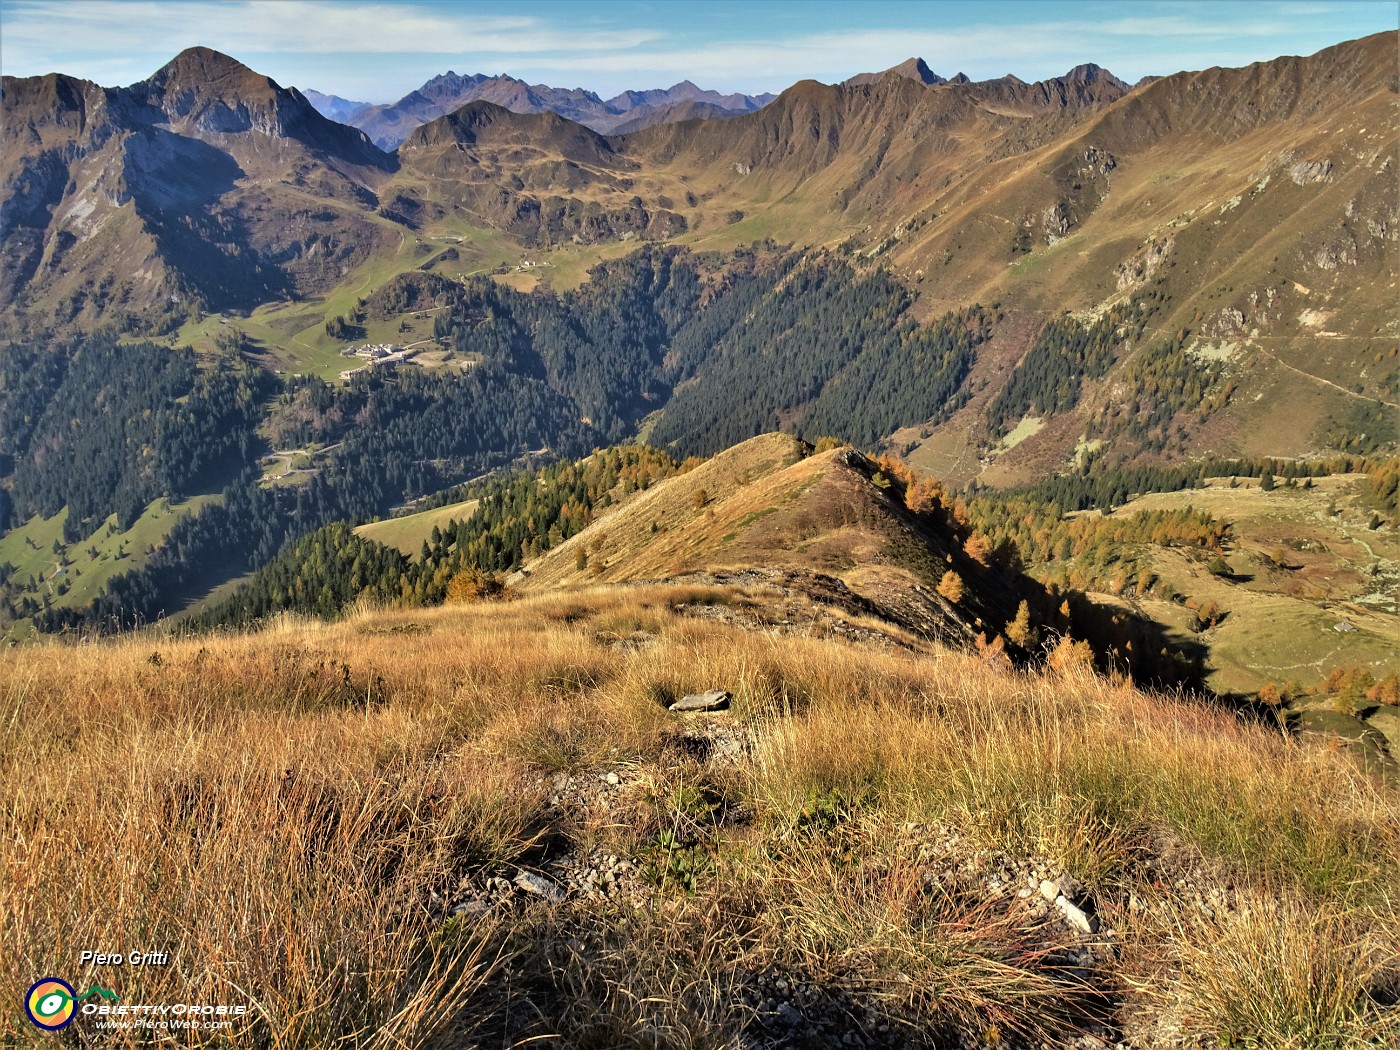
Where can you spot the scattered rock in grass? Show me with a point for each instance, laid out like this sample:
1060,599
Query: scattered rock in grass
469,908
539,884
1076,917
712,700
1071,887
1066,886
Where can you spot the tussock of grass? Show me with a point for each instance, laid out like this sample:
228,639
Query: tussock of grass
289,813
268,880
663,976
1279,972
873,924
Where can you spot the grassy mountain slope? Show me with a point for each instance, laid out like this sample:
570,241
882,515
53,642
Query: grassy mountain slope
1259,203
76,574
856,849
1273,237
537,177
769,504
407,533
1282,623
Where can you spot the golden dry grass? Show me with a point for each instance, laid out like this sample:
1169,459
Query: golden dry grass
288,812
1279,972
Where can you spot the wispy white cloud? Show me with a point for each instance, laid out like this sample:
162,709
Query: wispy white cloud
1039,50
377,49
106,28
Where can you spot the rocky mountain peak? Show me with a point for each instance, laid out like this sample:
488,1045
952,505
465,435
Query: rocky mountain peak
204,69
1089,73
917,69
446,86
203,92
211,92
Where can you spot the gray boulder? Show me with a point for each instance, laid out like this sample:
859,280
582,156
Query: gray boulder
714,700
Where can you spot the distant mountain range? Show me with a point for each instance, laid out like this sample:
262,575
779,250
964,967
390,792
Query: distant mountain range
339,109
917,70
1084,84
388,125
1252,212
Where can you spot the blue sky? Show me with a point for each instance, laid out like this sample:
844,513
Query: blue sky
377,50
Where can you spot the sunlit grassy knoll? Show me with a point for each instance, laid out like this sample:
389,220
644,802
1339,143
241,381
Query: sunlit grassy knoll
706,518
410,531
290,813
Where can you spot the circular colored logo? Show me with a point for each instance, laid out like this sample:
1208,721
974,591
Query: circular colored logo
50,1003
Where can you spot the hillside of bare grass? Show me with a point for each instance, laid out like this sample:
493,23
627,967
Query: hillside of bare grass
772,502
480,826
